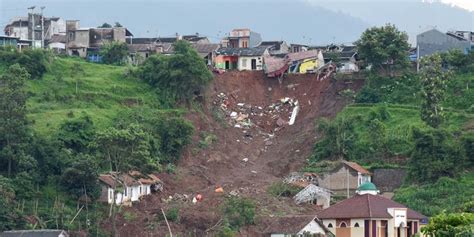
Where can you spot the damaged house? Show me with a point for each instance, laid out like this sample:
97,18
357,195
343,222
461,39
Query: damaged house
310,193
240,58
86,42
276,48
305,61
123,189
345,57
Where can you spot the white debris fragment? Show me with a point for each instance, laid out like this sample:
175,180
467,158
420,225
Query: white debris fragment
296,109
240,104
233,114
245,159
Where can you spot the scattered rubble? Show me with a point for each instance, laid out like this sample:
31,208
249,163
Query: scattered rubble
313,194
272,117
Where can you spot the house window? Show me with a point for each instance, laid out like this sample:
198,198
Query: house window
111,194
140,189
125,192
343,225
356,225
330,225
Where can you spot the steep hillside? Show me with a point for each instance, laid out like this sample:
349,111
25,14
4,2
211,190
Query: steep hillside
73,88
244,161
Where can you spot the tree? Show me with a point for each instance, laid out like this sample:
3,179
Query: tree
175,134
77,134
10,218
239,212
117,24
114,53
384,46
377,136
433,156
81,178
181,76
339,138
13,122
433,81
450,225
105,25
127,149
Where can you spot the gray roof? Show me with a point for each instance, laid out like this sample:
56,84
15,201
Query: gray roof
35,233
258,51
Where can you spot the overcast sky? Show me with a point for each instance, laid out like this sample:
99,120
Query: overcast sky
298,21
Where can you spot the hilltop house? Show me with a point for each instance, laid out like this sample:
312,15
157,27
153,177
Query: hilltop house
345,178
297,226
207,51
134,186
295,48
433,41
242,38
240,58
346,59
23,28
86,42
368,214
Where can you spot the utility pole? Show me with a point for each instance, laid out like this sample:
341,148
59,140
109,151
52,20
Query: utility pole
42,27
33,25
20,36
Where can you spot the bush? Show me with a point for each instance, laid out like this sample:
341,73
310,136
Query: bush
175,134
181,76
77,134
35,61
445,194
281,189
114,53
239,212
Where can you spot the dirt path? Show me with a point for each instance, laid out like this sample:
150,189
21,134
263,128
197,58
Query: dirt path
243,161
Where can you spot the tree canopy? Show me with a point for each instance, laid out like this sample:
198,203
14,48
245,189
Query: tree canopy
181,76
114,53
383,46
433,81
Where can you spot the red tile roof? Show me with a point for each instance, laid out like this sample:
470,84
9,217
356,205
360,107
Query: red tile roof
108,179
356,167
365,206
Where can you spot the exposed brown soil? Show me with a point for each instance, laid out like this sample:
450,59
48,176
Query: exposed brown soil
270,157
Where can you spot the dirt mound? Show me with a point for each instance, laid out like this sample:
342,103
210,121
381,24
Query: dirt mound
249,116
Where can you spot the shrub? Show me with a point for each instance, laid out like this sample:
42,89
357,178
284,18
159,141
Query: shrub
181,76
35,61
114,53
281,189
239,212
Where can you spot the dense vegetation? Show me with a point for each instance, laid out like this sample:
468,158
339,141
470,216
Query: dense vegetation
420,122
64,121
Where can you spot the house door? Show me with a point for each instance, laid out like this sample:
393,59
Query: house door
227,65
254,64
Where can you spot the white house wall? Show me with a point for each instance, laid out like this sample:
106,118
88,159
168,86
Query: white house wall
245,63
313,228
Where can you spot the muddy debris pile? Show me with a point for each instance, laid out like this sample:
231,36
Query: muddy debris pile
266,118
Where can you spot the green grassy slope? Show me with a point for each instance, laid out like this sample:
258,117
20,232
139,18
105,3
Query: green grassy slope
103,92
